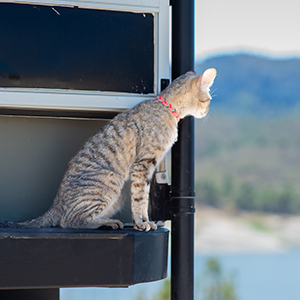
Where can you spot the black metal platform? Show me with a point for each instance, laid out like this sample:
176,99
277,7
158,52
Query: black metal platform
53,258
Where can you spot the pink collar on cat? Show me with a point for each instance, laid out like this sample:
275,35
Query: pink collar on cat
169,106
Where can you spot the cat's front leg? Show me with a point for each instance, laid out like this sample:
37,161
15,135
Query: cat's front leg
140,199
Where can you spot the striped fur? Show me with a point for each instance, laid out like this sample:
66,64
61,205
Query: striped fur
130,146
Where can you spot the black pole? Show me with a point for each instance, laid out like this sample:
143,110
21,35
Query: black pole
182,193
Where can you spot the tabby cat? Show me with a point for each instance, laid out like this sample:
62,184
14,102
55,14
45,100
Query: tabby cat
129,146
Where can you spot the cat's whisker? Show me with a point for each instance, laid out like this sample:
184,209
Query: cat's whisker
212,93
204,120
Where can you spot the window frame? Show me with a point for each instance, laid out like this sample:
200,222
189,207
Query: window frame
58,99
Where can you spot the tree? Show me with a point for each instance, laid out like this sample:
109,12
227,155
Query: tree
215,286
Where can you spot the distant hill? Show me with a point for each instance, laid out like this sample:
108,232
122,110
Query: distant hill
254,85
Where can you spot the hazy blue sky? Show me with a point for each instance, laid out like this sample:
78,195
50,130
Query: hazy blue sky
264,26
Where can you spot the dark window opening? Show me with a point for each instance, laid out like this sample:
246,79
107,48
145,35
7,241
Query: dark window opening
74,48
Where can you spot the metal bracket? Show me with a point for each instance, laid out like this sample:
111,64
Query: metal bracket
160,193
164,82
162,177
181,205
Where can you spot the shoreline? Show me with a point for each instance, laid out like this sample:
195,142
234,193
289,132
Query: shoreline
218,231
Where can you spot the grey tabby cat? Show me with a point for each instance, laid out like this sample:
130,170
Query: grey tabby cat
131,145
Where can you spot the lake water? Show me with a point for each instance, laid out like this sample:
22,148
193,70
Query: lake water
267,276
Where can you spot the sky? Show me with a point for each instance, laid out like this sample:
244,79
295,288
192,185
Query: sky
269,27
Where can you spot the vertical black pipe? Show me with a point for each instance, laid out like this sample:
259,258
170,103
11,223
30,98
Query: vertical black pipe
182,193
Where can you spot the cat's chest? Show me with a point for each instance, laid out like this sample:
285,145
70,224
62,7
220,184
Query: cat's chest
173,137
170,138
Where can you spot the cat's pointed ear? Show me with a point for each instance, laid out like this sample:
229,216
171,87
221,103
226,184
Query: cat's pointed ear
206,80
192,73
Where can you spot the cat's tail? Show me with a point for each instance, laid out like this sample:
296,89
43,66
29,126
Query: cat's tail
9,224
48,219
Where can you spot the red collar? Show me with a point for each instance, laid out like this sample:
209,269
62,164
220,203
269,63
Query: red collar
169,106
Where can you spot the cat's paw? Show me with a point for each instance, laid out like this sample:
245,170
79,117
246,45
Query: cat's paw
145,226
114,224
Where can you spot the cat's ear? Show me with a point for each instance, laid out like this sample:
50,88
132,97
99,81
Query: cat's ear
206,80
193,73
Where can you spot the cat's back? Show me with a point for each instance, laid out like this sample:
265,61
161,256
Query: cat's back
151,114
155,123
147,118
145,127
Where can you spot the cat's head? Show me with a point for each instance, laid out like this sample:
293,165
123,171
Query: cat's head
190,94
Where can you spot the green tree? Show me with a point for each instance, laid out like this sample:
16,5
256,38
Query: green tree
246,197
208,193
214,285
164,292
